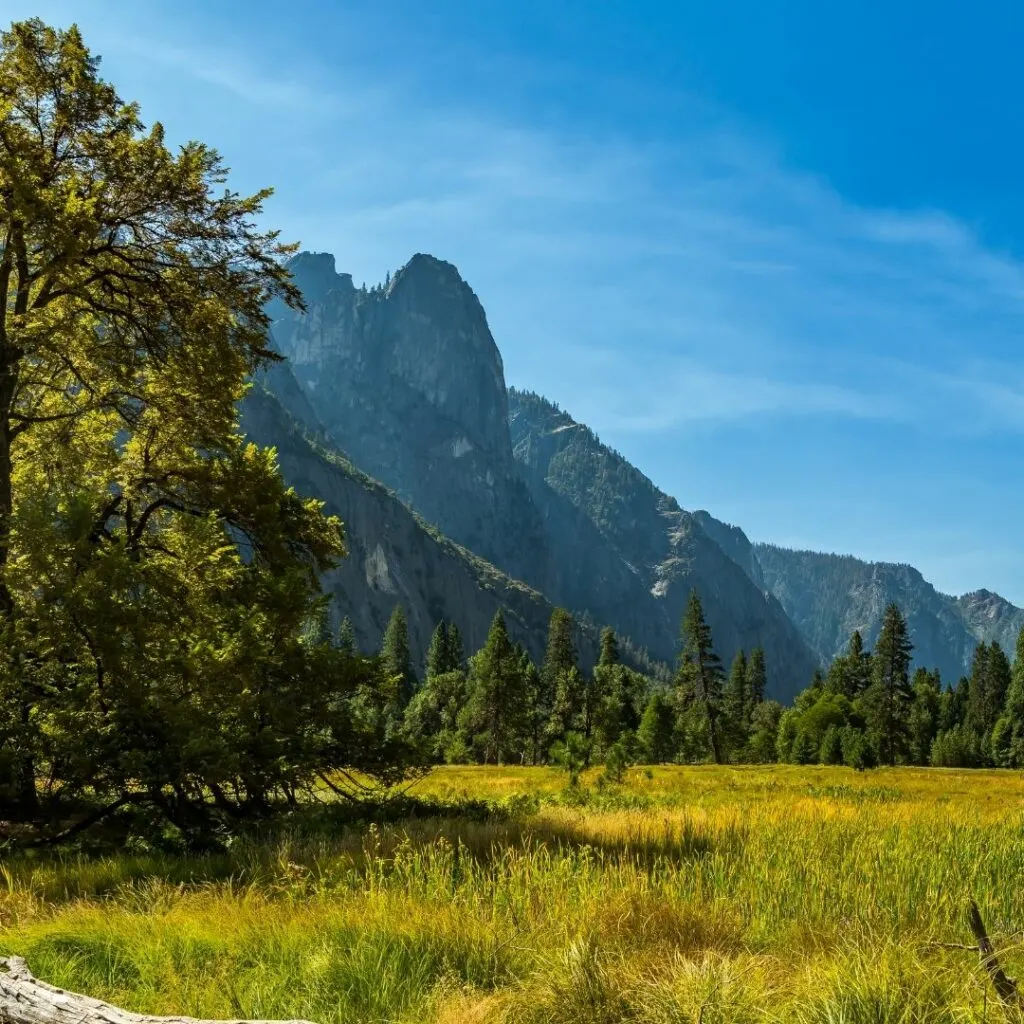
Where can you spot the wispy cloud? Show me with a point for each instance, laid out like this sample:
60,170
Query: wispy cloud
686,287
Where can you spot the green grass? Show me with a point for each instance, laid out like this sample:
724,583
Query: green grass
688,894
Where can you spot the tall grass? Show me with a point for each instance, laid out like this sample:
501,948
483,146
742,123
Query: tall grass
688,894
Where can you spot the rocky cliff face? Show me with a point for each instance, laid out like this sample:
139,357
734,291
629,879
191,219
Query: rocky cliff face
407,381
829,596
991,617
393,555
652,551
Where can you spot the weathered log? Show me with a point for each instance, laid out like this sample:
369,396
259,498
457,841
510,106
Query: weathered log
26,1000
1005,986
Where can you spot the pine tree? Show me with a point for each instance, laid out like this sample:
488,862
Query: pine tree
609,648
923,724
346,637
757,679
989,683
850,674
495,716
736,703
700,675
1008,737
656,730
888,699
397,664
437,653
562,683
455,655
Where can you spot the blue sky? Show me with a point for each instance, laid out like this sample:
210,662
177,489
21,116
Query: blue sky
773,253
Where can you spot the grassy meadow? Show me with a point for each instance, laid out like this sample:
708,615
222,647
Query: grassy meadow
689,894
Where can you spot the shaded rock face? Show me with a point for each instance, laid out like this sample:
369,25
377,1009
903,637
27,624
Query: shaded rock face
408,382
829,596
991,617
636,555
393,556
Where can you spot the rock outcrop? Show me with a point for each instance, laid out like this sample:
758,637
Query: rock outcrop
408,382
393,554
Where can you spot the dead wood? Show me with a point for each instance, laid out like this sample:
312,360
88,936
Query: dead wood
1005,986
26,1000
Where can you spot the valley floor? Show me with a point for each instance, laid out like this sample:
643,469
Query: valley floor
719,895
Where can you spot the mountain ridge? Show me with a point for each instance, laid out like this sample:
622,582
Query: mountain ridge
406,379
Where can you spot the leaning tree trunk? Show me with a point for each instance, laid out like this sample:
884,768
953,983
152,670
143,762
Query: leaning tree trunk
25,1000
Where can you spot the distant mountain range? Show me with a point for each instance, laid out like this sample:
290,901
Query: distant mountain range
529,509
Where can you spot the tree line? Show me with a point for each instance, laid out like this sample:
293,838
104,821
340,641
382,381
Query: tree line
496,706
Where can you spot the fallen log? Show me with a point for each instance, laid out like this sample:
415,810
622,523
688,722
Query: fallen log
26,1000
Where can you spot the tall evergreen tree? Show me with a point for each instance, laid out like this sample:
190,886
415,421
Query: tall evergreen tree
700,675
989,683
346,636
757,679
609,648
656,731
455,655
736,704
438,653
562,683
495,715
923,723
889,697
1008,737
397,664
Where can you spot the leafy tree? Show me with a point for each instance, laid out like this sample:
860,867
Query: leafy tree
699,678
160,614
888,699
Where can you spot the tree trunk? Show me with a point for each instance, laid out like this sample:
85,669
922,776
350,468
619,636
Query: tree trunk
24,1000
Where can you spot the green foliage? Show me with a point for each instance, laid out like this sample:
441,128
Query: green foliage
699,680
655,735
347,637
956,748
736,703
858,751
494,719
831,749
572,754
764,730
164,640
888,699
609,648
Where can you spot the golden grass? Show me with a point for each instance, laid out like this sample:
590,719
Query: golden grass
687,894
